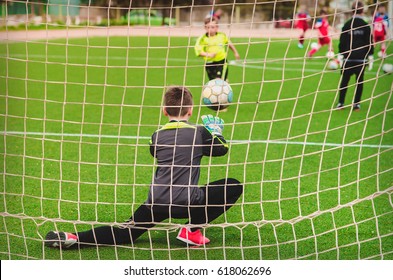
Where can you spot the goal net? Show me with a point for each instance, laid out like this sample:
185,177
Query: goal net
81,93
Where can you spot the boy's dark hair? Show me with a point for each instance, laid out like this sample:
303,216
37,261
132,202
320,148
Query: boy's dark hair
323,11
357,7
177,101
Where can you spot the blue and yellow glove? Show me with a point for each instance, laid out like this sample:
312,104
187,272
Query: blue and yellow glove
214,124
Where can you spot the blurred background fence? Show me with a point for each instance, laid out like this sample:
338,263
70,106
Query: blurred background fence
245,13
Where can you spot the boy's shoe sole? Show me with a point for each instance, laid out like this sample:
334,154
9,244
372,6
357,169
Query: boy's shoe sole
60,239
189,242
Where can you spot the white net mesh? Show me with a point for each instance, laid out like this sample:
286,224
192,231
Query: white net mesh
81,94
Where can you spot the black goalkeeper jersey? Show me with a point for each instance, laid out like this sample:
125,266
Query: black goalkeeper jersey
179,148
356,41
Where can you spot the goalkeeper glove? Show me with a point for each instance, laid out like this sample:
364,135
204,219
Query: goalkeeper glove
214,124
370,62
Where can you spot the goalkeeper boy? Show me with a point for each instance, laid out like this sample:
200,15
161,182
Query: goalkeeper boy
174,193
212,46
356,51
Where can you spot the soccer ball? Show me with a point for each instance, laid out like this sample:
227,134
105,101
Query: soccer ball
330,55
333,64
217,94
387,68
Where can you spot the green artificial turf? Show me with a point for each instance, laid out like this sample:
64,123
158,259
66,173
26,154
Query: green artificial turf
77,114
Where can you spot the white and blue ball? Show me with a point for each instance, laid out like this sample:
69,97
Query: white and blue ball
387,68
217,94
333,64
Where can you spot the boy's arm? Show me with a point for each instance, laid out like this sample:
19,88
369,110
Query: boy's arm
385,25
233,48
206,54
343,46
214,143
152,145
369,36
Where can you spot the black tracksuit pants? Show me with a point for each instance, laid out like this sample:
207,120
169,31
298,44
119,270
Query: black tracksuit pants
352,68
219,197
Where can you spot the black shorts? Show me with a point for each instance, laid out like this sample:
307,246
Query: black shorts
217,69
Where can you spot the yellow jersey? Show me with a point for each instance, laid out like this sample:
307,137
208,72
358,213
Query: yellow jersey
213,44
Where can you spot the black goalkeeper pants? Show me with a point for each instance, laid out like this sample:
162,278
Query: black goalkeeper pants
219,197
217,69
352,68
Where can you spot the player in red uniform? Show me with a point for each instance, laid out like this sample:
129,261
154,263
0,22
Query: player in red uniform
302,20
322,25
380,27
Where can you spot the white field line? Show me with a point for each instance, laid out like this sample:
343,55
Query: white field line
250,63
278,142
114,57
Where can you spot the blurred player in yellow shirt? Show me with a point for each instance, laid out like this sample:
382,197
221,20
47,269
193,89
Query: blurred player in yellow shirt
212,46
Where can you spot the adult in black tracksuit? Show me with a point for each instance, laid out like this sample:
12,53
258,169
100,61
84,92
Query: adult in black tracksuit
356,45
174,193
